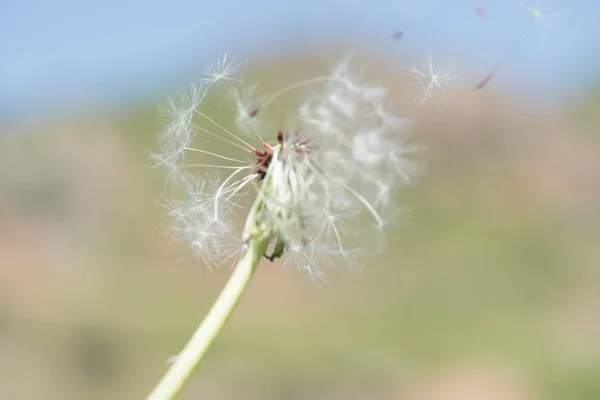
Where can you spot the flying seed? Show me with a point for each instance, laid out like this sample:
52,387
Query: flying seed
397,34
484,82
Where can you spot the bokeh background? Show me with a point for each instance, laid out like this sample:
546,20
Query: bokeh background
492,292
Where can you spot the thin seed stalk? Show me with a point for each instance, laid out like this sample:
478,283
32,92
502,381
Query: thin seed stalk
186,362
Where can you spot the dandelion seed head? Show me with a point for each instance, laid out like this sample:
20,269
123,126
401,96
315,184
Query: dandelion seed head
315,189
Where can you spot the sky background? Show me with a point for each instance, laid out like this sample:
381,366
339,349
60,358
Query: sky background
68,54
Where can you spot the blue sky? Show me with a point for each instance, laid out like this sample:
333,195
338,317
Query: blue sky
67,54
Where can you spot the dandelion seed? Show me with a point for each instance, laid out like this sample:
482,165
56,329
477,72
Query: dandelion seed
435,78
397,34
542,12
484,82
224,69
246,108
481,11
539,13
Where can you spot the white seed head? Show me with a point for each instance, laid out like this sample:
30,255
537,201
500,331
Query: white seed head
316,189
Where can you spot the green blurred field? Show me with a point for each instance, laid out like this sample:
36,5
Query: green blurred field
493,285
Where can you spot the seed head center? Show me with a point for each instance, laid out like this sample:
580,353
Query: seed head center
293,141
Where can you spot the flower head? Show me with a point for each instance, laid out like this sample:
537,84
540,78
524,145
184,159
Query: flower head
315,189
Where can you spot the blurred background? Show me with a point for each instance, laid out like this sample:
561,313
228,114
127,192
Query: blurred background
491,293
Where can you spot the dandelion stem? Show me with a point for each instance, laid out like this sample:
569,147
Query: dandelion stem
180,371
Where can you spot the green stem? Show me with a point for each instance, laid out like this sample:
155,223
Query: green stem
180,371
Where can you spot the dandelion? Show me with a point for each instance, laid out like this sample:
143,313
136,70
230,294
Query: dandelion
310,193
435,78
